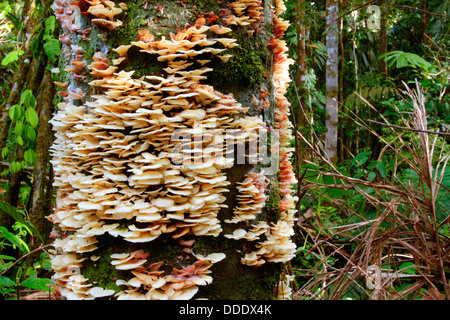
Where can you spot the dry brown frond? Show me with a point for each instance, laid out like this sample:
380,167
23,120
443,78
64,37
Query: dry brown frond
406,231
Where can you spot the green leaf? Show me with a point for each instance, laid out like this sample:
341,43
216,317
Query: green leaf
5,257
19,215
19,140
30,156
36,45
52,49
6,282
30,133
27,98
405,59
381,169
18,129
37,283
5,152
371,176
360,159
32,117
15,240
408,267
47,264
15,112
12,57
402,62
15,166
50,23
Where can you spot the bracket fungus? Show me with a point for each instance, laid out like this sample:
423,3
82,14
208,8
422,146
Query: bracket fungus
144,159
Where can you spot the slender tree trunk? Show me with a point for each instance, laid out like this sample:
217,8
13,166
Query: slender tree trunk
301,120
155,213
383,42
343,39
332,111
41,203
424,22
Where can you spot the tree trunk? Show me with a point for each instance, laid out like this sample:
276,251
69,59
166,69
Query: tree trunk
383,42
425,22
301,122
5,122
41,203
332,113
343,39
148,205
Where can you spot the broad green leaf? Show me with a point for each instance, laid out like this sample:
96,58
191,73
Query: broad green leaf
19,215
408,267
15,112
32,117
5,257
6,282
14,167
405,59
30,133
47,264
27,98
401,62
12,57
371,176
381,169
37,283
30,156
19,140
52,49
30,273
360,159
18,129
15,240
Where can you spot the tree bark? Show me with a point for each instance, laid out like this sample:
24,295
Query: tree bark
383,42
343,39
19,80
425,20
332,108
301,120
173,216
41,203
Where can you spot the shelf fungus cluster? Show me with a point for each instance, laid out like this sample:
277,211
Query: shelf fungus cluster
128,163
244,13
105,13
143,159
276,244
279,245
150,283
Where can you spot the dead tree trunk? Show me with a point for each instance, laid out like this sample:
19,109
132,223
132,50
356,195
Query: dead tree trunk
166,189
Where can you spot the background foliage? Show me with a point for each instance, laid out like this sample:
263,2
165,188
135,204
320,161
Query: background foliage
381,213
